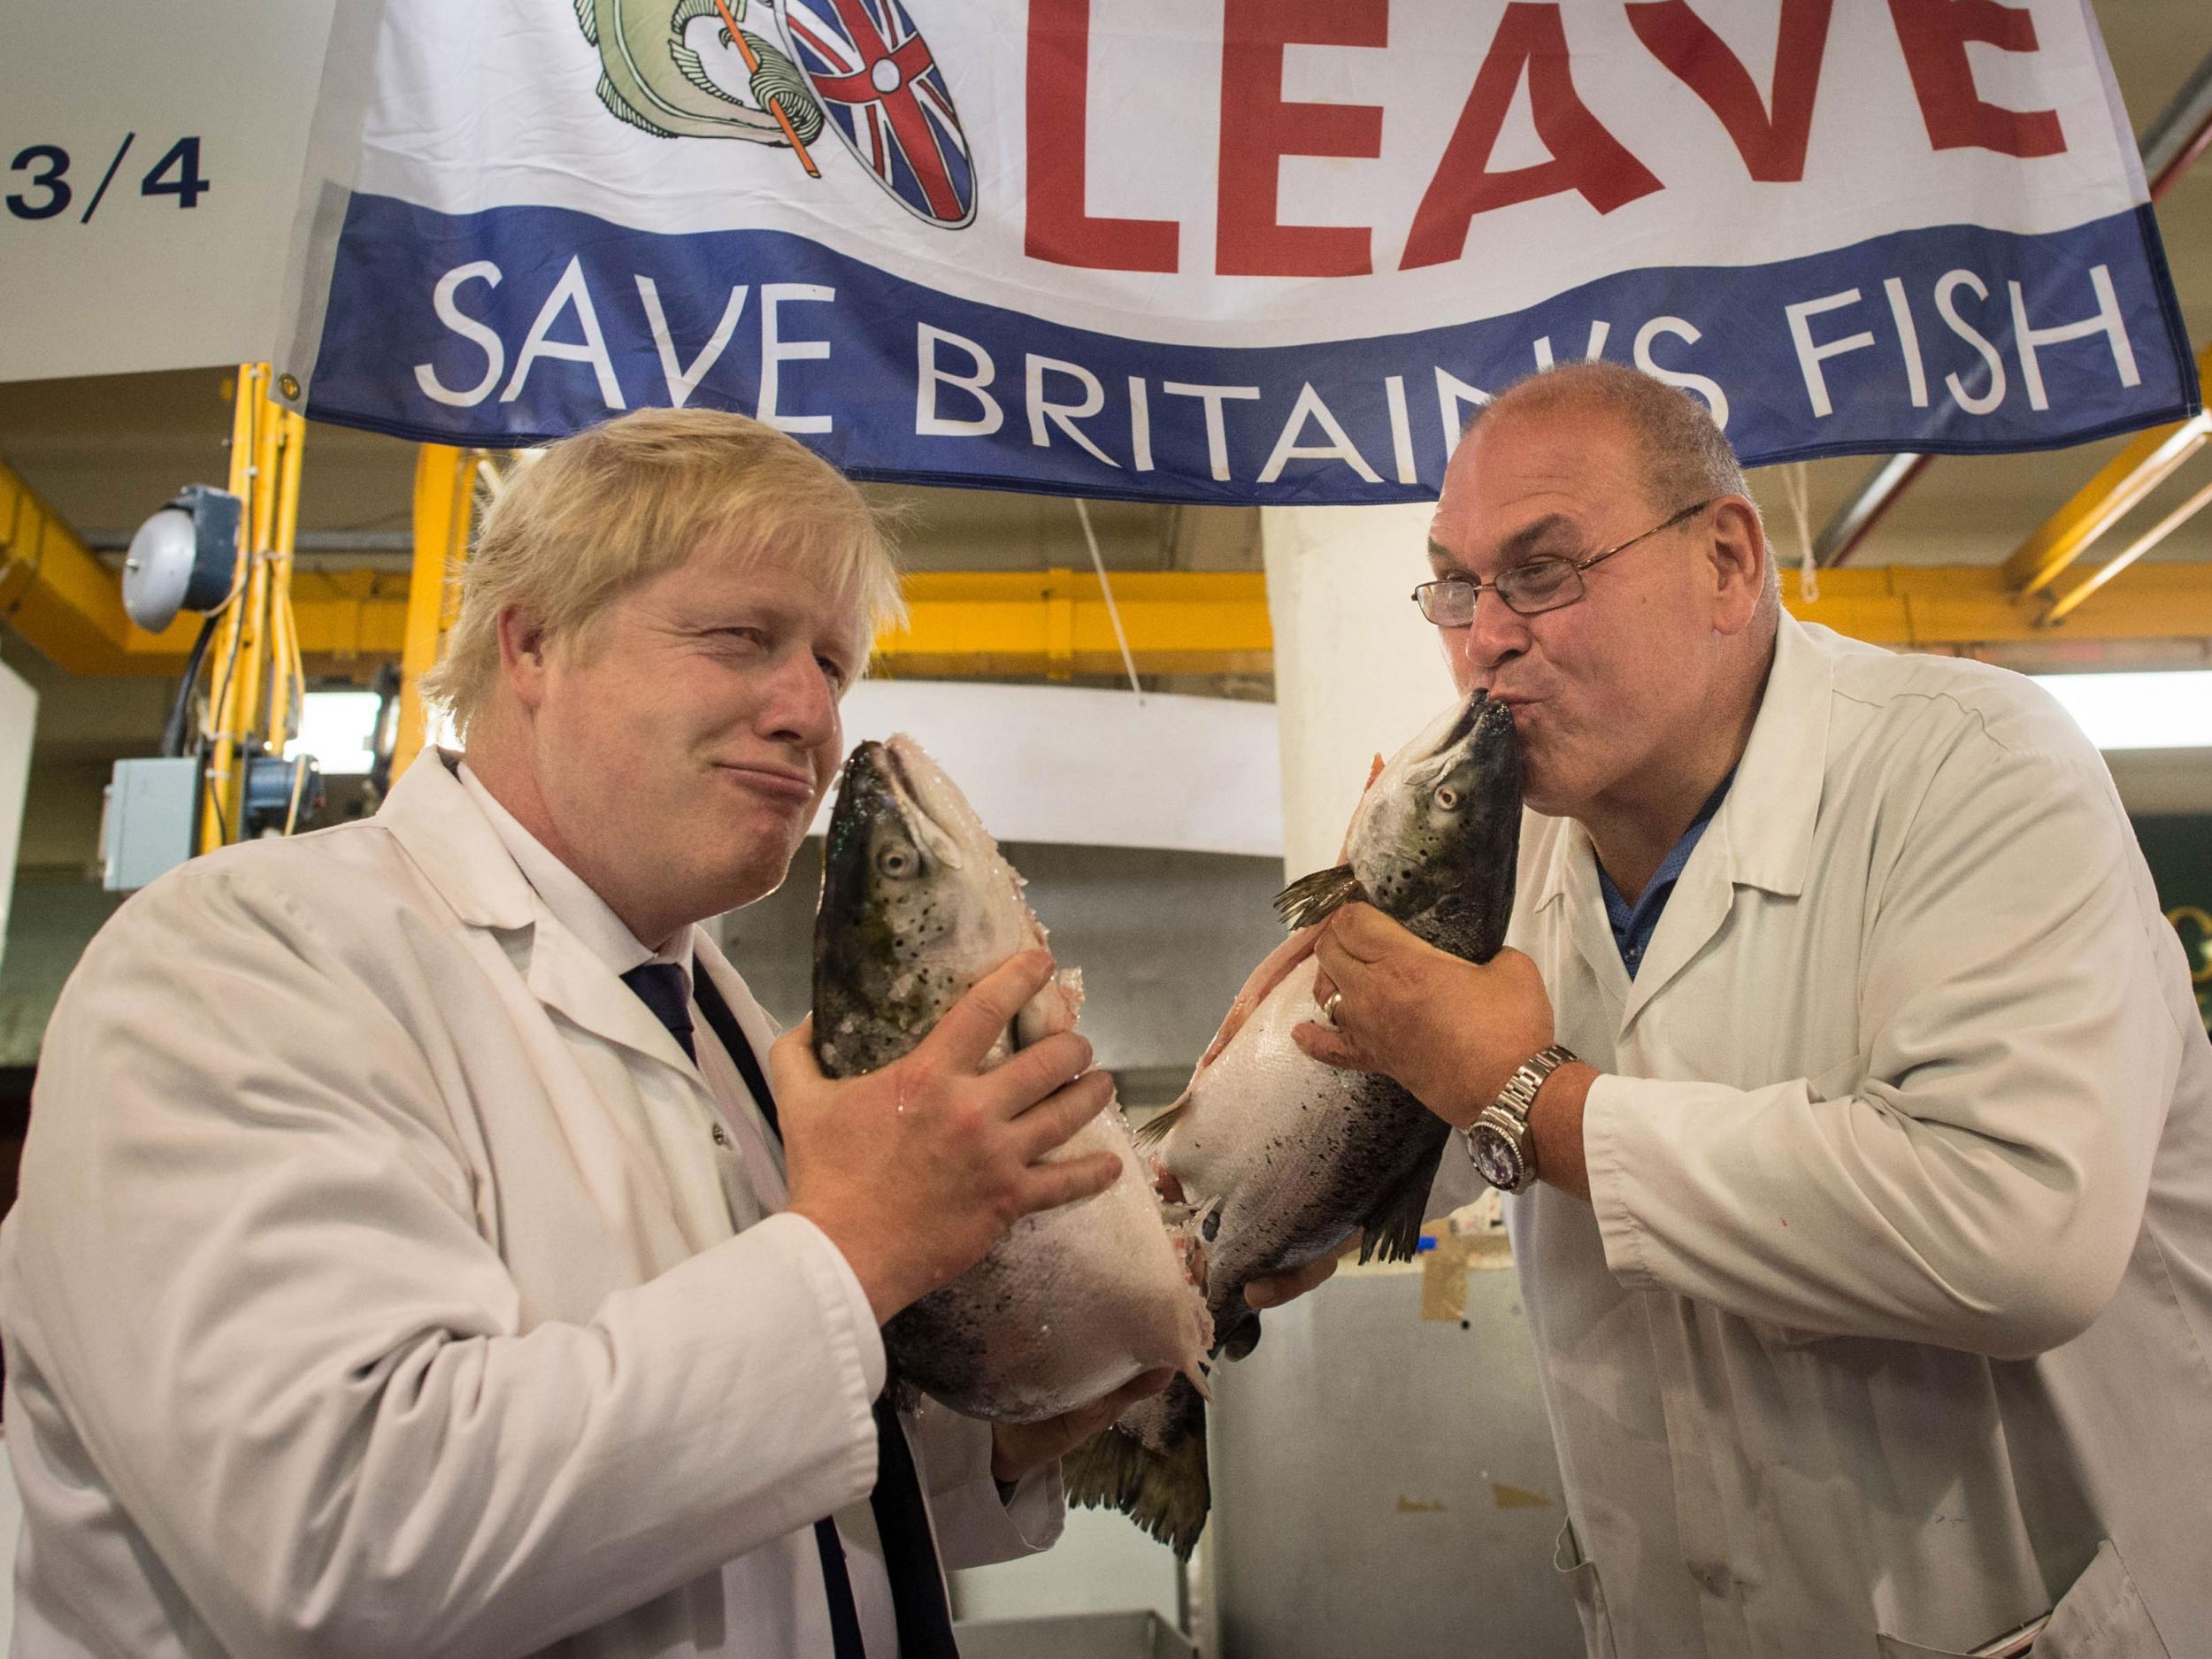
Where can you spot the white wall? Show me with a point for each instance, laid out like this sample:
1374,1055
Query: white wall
1090,768
1357,673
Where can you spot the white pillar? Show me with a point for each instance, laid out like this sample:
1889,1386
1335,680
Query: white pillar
19,720
1357,672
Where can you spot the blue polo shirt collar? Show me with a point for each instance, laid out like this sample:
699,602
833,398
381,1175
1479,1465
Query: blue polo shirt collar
1634,924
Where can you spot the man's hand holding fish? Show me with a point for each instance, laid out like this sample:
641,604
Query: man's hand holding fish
916,1169
1452,1031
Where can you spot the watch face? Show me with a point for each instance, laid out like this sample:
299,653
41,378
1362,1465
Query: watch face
1496,1157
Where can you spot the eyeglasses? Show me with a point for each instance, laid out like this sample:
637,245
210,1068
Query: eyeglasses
1530,589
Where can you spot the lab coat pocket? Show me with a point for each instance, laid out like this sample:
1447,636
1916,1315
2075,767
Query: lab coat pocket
1580,1576
1898,1648
2099,1617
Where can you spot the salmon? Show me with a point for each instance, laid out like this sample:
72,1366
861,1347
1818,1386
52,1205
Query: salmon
917,905
1286,1160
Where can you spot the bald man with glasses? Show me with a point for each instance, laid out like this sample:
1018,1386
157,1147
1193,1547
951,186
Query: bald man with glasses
1844,1076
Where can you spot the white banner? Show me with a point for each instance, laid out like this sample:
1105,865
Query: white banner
1254,249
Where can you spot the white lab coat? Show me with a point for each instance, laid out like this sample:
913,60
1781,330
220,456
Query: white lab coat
353,1304
1891,1323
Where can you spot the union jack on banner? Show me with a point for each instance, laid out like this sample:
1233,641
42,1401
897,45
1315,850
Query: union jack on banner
883,91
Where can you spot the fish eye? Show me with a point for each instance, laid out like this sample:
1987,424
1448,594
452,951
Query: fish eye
1447,797
896,862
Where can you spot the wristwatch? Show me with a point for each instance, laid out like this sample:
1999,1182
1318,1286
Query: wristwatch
1499,1142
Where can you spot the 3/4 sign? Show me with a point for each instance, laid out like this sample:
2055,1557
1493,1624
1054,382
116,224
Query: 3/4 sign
47,191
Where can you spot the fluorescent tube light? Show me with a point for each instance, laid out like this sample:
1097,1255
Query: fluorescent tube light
2168,708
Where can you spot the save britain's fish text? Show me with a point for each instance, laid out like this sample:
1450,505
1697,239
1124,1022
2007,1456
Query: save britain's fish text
1388,411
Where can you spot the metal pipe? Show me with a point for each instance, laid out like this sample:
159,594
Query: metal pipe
2179,134
1857,517
2065,603
223,734
2119,485
306,541
441,483
2176,139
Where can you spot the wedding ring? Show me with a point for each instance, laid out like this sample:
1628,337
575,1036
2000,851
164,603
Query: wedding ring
1329,1008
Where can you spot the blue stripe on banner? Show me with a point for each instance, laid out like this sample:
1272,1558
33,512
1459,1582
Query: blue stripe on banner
520,324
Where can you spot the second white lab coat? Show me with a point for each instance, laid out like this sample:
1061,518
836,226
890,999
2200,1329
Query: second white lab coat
1890,1326
371,1291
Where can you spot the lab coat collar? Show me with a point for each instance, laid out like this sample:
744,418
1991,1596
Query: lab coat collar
1765,825
1573,878
1773,807
460,854
439,828
1762,835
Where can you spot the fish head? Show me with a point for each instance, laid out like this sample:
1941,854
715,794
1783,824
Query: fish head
1436,838
918,903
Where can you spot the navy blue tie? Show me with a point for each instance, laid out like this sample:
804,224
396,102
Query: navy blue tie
901,1514
663,988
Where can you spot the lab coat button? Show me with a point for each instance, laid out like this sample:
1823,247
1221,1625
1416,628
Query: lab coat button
721,1136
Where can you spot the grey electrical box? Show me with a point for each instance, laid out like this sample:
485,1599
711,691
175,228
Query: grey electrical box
147,831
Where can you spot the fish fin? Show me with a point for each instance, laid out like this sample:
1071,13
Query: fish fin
1157,1127
1194,1373
1243,1336
1316,897
904,1397
691,69
1167,1493
621,108
587,20
1393,1231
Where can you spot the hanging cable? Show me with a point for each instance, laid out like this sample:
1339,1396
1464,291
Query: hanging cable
1106,586
180,711
1798,486
300,766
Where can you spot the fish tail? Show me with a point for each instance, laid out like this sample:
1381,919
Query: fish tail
1316,897
1167,1492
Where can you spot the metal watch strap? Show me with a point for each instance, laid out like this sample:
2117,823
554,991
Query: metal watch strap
1520,1093
1506,1119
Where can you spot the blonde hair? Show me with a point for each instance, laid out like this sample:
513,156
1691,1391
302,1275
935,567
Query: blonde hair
596,514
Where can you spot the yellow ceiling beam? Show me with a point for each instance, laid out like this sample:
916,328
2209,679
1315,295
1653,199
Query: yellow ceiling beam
1041,624
1048,624
62,600
2105,499
1054,624
1911,606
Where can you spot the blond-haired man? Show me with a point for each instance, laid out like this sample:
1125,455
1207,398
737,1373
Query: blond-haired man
412,1257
